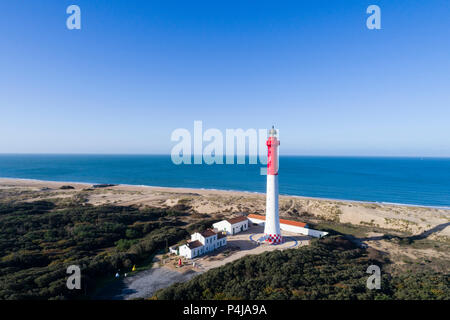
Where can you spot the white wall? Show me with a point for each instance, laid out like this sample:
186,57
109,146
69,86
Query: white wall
220,241
236,228
198,236
210,244
185,251
272,225
223,225
173,250
257,221
301,230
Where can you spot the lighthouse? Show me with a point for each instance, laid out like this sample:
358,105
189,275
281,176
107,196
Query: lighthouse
272,231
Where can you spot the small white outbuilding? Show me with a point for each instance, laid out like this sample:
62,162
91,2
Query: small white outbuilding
233,225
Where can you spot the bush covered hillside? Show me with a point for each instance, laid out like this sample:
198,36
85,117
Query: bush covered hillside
39,240
330,268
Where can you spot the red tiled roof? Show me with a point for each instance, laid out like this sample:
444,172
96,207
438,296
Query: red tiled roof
194,244
256,216
237,219
283,221
208,233
293,223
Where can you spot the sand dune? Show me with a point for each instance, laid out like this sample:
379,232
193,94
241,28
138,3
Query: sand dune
412,219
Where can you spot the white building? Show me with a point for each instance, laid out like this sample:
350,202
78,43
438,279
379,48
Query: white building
289,225
233,225
202,242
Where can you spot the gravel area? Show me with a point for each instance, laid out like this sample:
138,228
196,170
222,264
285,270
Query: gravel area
144,284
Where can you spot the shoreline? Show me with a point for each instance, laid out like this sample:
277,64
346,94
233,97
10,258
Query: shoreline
225,203
447,208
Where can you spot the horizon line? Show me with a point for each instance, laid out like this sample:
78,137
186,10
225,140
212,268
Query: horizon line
235,155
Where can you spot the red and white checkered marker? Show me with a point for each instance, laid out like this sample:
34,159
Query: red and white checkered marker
274,238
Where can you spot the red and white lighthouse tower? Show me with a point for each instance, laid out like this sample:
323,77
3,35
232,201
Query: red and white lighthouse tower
272,231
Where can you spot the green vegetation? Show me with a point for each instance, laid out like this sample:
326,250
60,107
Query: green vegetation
39,240
330,268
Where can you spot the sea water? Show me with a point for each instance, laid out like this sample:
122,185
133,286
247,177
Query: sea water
415,181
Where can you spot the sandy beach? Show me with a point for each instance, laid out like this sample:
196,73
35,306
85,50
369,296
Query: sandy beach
404,218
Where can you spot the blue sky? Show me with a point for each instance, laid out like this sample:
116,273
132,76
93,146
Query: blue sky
137,70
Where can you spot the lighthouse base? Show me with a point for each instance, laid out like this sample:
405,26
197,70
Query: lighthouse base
273,238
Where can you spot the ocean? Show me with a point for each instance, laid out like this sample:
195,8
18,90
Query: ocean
413,181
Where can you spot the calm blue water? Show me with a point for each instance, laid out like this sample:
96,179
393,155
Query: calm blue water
398,180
